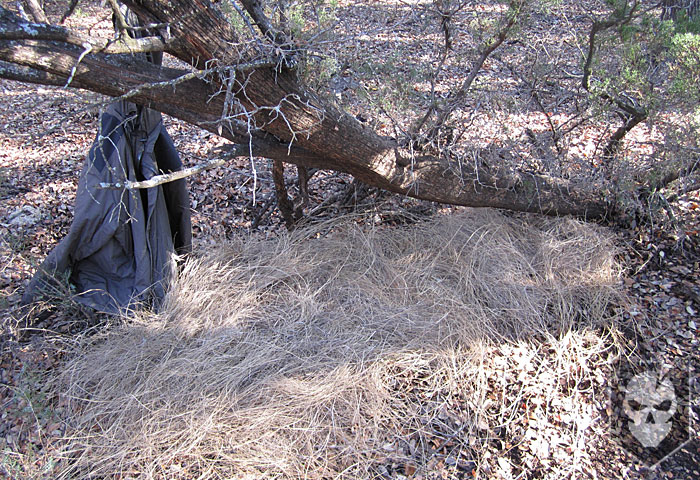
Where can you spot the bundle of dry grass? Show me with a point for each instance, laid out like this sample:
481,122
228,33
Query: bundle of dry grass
330,353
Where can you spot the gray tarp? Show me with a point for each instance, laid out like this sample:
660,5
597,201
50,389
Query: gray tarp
119,250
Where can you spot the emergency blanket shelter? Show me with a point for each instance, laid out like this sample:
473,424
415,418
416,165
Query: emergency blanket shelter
120,250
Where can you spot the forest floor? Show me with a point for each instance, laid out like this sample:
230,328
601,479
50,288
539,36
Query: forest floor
45,133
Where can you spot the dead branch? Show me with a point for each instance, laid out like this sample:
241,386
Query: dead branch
457,97
178,175
269,200
37,11
11,28
119,19
257,12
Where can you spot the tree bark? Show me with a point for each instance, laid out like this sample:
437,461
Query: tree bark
282,120
672,8
284,203
37,11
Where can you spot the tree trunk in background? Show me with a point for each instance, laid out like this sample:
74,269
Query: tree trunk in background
294,125
672,8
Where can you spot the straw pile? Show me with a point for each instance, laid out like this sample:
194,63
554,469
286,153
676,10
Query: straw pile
337,351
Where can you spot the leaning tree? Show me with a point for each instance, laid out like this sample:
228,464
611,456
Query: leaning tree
242,81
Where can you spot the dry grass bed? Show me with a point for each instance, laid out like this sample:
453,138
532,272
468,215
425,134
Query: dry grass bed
351,353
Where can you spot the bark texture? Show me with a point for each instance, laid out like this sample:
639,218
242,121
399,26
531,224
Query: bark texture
673,8
36,10
283,120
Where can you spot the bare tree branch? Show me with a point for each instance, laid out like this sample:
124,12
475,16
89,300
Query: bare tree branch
444,112
11,29
257,12
69,11
37,11
234,151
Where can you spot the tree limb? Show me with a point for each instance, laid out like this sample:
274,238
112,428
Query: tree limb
446,111
36,11
631,112
164,178
257,13
288,124
12,28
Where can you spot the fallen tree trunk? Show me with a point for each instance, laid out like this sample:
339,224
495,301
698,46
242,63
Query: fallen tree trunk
262,105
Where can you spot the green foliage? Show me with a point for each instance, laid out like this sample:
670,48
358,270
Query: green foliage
655,62
238,22
695,119
308,22
627,32
32,398
79,13
546,6
684,24
685,53
621,8
327,14
296,19
307,19
317,71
